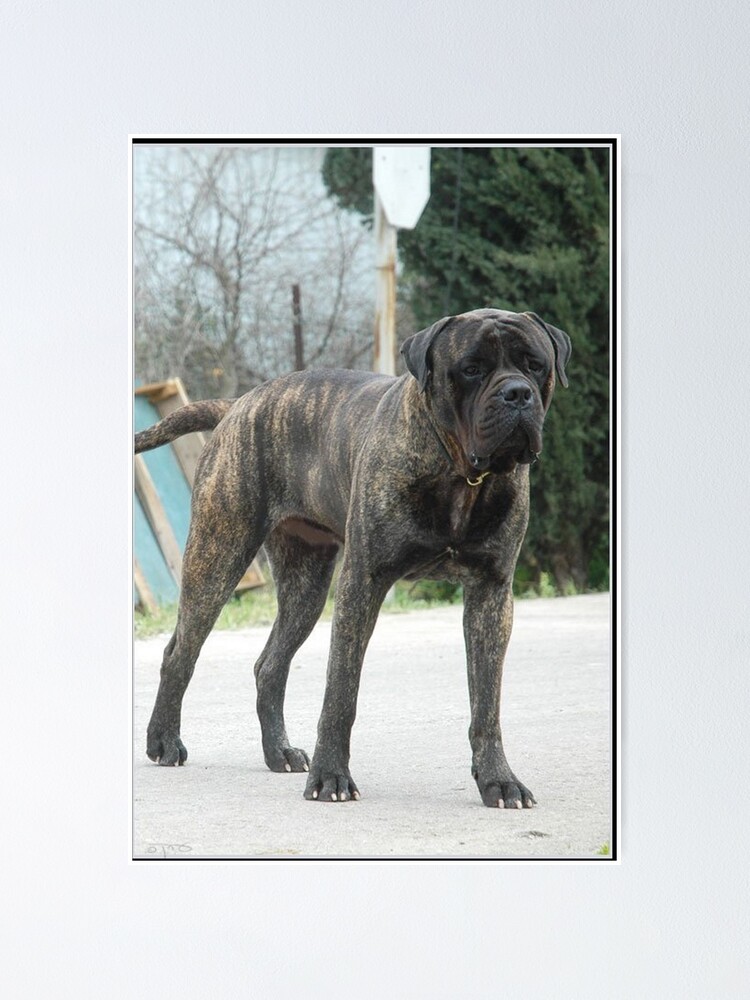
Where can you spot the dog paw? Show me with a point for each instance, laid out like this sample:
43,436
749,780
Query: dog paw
166,749
330,785
287,759
506,795
501,789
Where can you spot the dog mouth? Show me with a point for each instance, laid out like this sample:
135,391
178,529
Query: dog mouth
514,437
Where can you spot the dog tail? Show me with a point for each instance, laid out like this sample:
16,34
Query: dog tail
201,416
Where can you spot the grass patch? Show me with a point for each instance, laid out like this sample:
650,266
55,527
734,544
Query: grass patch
258,607
423,594
254,607
526,585
604,850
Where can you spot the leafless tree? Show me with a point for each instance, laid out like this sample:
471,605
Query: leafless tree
220,236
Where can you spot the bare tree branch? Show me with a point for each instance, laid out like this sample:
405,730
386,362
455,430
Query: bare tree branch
220,235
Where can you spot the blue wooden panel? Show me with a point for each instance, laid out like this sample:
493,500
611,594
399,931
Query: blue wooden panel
165,470
150,559
174,493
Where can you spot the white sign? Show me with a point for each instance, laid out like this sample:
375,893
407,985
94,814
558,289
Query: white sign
401,177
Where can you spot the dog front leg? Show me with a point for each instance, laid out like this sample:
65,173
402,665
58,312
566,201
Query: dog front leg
359,596
488,620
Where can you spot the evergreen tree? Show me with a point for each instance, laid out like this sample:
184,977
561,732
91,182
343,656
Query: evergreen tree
524,229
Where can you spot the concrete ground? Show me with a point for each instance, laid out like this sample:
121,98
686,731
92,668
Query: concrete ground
410,752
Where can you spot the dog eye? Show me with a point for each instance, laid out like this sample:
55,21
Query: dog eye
535,366
471,371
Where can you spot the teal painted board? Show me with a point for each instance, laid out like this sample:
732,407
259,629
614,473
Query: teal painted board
150,559
166,473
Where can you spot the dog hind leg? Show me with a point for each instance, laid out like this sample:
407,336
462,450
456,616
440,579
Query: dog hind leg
302,572
215,559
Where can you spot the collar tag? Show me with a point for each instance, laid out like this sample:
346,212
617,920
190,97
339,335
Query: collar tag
479,480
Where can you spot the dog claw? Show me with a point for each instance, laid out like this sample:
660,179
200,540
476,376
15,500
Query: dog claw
165,749
500,794
285,759
329,785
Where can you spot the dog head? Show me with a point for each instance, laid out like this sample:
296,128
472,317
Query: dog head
488,376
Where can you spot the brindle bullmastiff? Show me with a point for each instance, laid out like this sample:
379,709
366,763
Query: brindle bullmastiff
426,475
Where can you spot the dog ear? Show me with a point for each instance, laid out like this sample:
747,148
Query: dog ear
560,342
416,348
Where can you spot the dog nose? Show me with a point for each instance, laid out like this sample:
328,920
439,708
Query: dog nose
516,393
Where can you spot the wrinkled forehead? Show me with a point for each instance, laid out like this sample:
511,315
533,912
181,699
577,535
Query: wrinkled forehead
492,328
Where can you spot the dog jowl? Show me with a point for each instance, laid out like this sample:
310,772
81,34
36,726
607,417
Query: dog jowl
425,475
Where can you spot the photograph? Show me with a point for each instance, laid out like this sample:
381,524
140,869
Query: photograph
375,498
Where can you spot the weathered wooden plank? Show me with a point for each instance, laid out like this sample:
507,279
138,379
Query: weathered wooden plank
166,473
150,558
189,447
172,470
170,396
253,578
157,391
145,597
157,517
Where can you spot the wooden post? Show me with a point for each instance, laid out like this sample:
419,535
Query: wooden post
299,351
385,293
401,180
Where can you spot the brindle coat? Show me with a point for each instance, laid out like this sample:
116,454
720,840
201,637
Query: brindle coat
426,475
